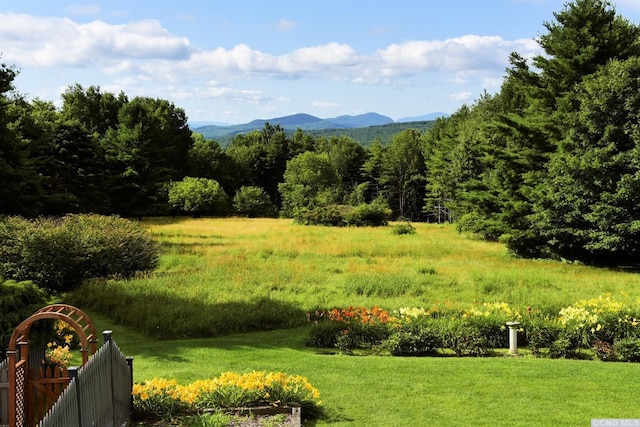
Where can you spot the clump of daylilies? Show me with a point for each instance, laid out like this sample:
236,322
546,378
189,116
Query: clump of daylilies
166,398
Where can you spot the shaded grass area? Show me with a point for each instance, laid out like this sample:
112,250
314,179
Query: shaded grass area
221,276
393,391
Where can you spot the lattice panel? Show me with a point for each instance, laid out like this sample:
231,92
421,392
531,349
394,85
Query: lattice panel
21,410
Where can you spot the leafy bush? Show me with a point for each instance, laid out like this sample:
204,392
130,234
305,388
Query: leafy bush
198,196
331,215
43,251
476,224
112,246
627,350
362,336
373,214
18,300
253,202
566,346
540,334
465,339
325,334
58,254
418,338
405,228
492,329
602,319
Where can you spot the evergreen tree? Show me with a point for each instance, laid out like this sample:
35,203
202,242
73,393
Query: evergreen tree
589,211
19,183
148,149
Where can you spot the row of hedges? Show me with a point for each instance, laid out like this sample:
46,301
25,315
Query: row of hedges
58,254
605,327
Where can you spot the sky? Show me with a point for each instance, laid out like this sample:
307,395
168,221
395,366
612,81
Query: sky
237,60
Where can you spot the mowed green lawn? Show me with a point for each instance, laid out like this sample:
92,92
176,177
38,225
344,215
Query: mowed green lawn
212,265
395,391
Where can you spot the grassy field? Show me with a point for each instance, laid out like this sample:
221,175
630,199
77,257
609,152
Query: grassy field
219,277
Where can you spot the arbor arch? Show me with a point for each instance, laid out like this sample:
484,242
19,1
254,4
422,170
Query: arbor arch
22,378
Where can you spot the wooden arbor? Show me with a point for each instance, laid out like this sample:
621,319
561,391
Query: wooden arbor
25,383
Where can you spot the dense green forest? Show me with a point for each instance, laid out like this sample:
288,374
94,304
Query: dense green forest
549,165
365,136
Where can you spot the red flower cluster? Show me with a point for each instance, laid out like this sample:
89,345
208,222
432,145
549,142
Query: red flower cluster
362,315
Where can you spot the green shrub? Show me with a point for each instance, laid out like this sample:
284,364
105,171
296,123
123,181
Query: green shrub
492,328
48,254
253,202
540,333
616,325
198,196
13,231
18,300
58,254
331,215
112,246
419,338
352,328
373,214
362,336
476,224
325,334
405,228
627,350
465,339
566,346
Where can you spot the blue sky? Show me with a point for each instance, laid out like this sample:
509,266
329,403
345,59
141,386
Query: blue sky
238,60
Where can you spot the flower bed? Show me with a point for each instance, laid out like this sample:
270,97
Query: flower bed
230,392
606,327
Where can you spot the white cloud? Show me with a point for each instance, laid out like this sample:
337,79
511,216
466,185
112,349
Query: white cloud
35,41
146,45
285,25
469,52
144,58
462,96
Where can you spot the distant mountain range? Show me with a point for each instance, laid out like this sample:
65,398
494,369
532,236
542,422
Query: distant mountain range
306,122
425,118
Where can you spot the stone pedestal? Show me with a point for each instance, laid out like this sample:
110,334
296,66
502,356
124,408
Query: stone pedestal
513,337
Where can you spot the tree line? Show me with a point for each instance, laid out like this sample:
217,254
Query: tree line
105,153
549,164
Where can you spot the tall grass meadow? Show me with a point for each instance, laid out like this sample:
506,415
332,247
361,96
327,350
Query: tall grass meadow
222,276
